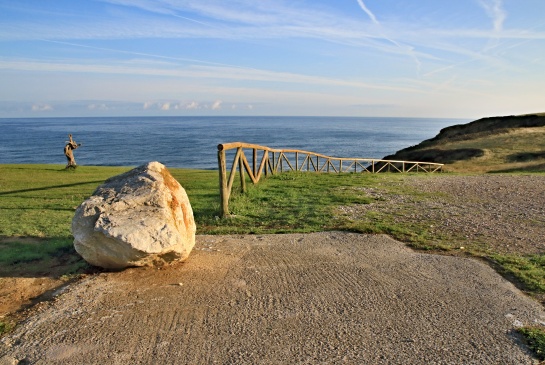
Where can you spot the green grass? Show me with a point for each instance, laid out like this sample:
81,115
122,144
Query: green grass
38,200
291,202
16,252
529,270
535,338
5,327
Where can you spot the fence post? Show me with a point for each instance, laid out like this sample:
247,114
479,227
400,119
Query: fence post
224,193
241,172
255,161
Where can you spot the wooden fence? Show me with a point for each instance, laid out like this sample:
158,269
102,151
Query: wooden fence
273,161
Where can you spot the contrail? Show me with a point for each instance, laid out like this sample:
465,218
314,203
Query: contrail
144,54
407,50
368,12
194,20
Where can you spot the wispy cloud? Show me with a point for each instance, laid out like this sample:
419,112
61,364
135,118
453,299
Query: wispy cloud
256,20
191,53
145,68
495,10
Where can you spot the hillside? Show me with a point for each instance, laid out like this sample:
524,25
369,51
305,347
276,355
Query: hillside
509,143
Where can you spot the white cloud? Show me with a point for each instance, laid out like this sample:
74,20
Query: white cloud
170,105
101,106
192,105
216,105
41,108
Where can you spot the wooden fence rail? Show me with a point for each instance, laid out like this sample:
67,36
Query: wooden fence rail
273,161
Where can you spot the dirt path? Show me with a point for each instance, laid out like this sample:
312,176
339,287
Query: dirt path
323,298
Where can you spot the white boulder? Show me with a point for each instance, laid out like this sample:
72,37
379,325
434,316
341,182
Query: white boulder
140,218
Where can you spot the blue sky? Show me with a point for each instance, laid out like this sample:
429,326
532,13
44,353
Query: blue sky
399,58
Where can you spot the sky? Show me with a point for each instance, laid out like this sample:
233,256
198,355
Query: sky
383,58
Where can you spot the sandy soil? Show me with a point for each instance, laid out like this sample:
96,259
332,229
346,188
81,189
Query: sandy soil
323,298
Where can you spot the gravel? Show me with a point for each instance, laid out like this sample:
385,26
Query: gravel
497,213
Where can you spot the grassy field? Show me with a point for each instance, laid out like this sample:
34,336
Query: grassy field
518,150
38,202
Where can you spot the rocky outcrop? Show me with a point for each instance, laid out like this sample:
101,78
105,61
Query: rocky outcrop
140,218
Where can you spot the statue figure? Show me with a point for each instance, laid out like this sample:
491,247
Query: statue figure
70,146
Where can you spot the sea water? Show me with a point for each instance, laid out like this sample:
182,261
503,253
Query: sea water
191,142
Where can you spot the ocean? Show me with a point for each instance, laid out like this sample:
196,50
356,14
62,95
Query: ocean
191,142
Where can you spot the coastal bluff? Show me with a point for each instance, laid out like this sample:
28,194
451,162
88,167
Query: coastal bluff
507,141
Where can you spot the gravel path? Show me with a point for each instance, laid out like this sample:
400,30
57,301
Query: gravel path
500,213
322,298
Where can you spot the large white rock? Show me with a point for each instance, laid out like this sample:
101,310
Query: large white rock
140,218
